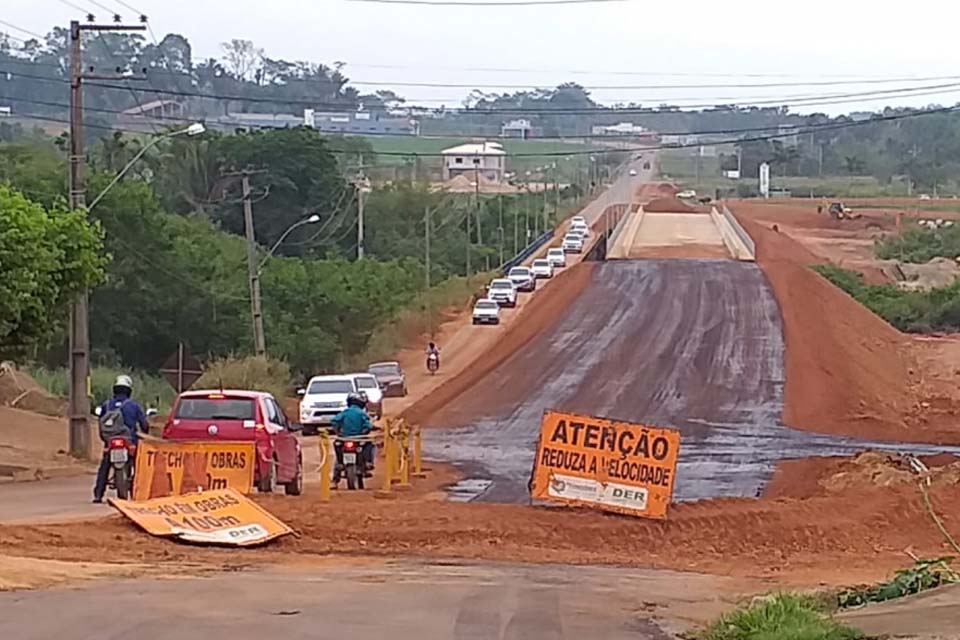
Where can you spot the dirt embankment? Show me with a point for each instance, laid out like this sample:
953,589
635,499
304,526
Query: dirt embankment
651,190
859,534
540,314
848,372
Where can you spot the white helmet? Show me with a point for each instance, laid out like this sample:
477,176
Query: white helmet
123,381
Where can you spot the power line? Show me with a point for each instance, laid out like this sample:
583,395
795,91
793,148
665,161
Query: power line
481,3
657,87
75,7
825,99
21,30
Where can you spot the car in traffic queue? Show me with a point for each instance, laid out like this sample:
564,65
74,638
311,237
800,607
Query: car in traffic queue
633,172
572,243
322,399
576,219
523,278
391,378
503,292
580,228
556,257
486,311
243,416
541,268
368,385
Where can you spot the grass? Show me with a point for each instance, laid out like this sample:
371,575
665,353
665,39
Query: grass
422,145
782,617
150,390
421,318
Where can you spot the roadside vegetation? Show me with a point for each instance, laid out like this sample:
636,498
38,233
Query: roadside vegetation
919,311
781,617
153,390
920,245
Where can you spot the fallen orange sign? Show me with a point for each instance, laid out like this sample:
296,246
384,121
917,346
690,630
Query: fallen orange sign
170,468
224,517
614,466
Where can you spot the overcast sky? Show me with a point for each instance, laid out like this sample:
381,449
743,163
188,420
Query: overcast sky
616,43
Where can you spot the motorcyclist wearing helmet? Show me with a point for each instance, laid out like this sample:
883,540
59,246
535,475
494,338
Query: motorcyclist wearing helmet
133,417
433,350
354,422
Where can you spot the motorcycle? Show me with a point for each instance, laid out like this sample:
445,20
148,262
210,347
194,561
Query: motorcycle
122,453
433,363
352,455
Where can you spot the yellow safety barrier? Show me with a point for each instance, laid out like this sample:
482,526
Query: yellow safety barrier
326,468
403,455
418,454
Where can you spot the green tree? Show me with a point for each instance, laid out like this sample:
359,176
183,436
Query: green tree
46,258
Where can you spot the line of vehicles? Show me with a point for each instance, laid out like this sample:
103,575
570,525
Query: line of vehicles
504,292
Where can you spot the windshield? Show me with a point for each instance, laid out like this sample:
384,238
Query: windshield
519,271
215,409
385,370
500,284
367,382
555,252
541,263
330,386
487,304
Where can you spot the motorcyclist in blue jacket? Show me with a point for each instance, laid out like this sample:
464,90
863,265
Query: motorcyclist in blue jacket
133,417
353,422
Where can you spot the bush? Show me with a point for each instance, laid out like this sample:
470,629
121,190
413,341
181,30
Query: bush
149,390
783,617
920,245
256,374
917,311
425,313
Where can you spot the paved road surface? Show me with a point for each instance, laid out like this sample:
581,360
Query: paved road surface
400,601
691,344
50,500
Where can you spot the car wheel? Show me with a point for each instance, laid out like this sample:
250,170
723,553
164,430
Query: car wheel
475,321
310,430
268,483
295,486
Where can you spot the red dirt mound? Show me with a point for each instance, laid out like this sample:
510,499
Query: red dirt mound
669,205
539,315
848,372
826,538
652,190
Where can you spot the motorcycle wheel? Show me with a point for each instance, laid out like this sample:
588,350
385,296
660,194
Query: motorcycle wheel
351,476
122,480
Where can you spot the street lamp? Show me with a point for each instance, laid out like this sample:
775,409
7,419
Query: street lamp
315,218
194,129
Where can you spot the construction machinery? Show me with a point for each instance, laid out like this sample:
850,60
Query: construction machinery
840,211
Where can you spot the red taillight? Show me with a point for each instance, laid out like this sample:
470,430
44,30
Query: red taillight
118,443
349,445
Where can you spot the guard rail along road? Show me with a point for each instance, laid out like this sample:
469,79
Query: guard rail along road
735,237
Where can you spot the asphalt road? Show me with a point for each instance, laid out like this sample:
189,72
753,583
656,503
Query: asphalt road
694,345
400,601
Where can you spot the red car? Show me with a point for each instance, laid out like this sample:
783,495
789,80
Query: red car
243,416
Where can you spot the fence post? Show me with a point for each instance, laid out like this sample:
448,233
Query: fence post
325,466
418,454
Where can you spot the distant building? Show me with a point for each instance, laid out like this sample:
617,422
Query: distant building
487,159
361,123
788,135
357,123
621,129
516,129
157,109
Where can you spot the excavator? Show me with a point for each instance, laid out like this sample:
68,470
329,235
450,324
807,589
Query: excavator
839,211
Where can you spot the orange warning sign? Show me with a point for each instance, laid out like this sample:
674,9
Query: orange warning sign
168,468
224,516
614,466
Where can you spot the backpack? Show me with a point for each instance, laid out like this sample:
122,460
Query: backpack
111,424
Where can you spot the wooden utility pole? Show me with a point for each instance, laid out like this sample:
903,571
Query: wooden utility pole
500,202
79,404
426,256
361,192
259,339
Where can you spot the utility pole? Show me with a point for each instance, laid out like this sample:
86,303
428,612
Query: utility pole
516,229
469,241
361,193
79,405
426,237
477,202
259,340
500,202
